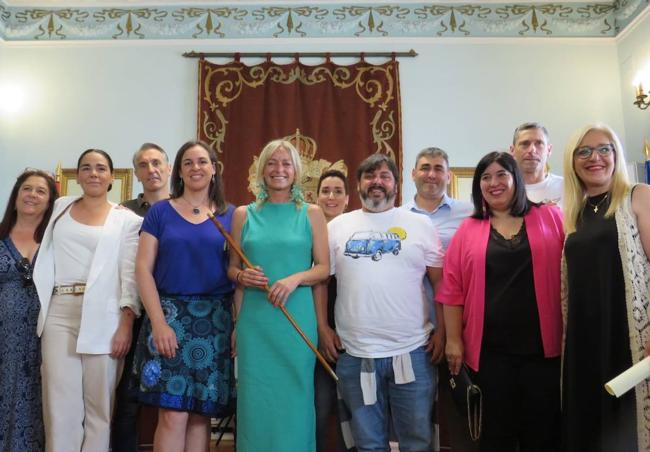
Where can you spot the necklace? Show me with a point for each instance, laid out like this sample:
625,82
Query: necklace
598,204
195,209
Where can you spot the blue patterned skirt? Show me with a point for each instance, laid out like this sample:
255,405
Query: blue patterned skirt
200,378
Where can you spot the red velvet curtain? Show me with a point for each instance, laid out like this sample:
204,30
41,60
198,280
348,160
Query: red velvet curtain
343,114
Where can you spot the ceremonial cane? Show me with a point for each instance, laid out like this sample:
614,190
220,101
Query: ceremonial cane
286,313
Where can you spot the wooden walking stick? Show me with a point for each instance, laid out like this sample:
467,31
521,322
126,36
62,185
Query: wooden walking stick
286,313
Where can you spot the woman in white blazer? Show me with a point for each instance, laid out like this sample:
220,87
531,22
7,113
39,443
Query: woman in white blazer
85,280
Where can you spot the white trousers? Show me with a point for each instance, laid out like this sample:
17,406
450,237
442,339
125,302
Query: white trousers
78,389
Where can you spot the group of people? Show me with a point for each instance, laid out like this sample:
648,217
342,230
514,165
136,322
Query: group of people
540,287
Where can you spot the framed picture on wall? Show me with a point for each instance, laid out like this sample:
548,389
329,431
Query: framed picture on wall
460,186
121,191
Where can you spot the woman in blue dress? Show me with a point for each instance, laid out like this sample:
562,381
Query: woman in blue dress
21,230
183,353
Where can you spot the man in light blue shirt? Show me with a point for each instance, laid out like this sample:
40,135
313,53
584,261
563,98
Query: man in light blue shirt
431,175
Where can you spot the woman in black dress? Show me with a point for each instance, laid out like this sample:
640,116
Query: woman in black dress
607,277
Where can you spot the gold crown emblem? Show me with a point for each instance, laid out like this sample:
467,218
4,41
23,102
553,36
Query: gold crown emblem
311,168
306,146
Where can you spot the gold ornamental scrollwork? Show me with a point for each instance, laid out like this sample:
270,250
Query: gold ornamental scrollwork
208,27
452,23
131,26
4,14
371,24
51,28
290,26
533,10
593,11
365,80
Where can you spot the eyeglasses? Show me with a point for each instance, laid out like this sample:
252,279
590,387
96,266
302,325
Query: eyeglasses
25,269
585,152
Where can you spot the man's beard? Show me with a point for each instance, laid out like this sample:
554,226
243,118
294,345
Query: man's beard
378,205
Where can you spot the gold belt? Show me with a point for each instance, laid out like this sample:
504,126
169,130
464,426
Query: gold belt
74,289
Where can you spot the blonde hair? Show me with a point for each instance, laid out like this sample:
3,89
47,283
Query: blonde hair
575,196
265,156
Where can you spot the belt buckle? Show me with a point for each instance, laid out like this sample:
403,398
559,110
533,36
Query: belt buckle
78,289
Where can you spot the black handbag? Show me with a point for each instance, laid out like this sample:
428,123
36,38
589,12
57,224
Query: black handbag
469,400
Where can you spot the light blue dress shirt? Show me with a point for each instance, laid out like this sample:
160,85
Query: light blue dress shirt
446,218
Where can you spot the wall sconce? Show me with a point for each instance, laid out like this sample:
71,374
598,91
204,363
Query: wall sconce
641,97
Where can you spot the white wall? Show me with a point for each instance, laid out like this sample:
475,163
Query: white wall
634,55
465,95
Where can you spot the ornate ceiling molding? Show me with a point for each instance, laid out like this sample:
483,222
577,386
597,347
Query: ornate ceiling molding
239,20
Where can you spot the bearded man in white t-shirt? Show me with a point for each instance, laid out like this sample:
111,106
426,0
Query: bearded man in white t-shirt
380,255
531,149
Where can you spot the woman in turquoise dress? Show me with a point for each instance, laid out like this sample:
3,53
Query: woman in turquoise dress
286,239
21,231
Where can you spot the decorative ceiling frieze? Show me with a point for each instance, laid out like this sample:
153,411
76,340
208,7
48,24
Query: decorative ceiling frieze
339,20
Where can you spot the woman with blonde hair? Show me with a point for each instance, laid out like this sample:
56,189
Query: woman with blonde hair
287,239
607,295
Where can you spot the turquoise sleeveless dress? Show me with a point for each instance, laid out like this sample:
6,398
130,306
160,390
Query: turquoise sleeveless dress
275,390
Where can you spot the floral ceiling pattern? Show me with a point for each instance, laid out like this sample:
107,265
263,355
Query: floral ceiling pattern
235,21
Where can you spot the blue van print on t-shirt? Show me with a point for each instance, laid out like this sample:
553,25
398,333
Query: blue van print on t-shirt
372,244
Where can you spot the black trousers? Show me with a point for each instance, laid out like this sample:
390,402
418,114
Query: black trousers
124,434
521,403
326,407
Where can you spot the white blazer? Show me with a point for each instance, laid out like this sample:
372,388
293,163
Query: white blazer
111,278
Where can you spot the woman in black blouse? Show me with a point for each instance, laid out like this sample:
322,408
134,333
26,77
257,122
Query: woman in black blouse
501,296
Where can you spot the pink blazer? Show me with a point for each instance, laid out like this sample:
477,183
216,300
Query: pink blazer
463,281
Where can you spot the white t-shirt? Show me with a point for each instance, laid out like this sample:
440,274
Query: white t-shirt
74,249
548,191
379,260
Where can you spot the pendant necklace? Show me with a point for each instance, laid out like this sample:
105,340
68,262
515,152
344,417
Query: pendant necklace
598,204
195,209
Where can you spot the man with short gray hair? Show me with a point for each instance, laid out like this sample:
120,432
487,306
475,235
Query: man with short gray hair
151,168
531,149
432,175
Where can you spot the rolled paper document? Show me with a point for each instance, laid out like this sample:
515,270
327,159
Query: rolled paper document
630,378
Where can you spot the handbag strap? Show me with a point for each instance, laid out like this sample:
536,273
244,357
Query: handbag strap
474,413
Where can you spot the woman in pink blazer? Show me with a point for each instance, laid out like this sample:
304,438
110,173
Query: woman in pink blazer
501,296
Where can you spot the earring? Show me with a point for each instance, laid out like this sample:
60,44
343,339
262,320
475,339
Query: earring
296,194
262,194
485,208
213,178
